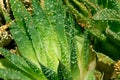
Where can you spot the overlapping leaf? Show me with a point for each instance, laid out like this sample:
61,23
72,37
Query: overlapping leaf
47,43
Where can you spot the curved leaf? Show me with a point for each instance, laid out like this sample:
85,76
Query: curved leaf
63,73
50,74
19,62
107,14
12,75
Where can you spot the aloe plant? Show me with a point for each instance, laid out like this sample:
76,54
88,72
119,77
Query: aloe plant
49,47
101,18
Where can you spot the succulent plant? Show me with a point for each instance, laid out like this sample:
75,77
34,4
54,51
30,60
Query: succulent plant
51,44
48,44
102,19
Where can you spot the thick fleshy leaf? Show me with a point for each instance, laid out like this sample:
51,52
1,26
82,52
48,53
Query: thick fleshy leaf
4,63
20,32
63,73
86,50
82,8
113,32
36,70
114,4
49,41
107,14
70,25
12,75
60,31
50,74
18,11
90,76
79,16
85,56
24,44
17,61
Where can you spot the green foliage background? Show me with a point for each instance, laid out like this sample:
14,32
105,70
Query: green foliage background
51,44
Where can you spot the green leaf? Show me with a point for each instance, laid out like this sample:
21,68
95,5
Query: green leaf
60,14
36,70
56,41
49,41
114,4
63,73
50,74
113,34
92,6
107,14
82,8
18,61
4,63
90,76
12,75
70,25
21,33
5,14
85,55
86,50
80,17
18,10
14,59
24,44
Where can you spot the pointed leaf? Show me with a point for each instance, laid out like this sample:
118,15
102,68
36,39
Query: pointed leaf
36,70
50,74
86,50
14,59
63,73
18,61
48,41
114,4
24,44
72,46
18,10
107,14
12,75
